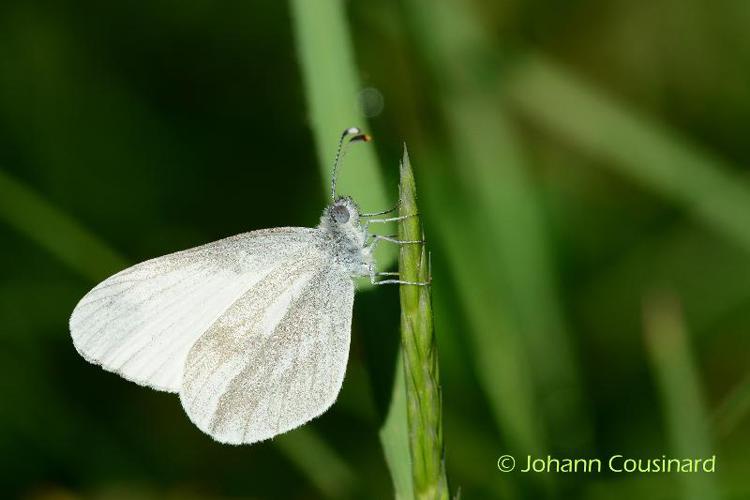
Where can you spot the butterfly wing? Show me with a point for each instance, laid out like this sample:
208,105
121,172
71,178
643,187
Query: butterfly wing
142,322
276,359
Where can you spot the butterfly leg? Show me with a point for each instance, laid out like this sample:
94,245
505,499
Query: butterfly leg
401,282
374,274
376,238
366,226
373,214
397,281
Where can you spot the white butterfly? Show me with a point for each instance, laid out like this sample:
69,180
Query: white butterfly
252,331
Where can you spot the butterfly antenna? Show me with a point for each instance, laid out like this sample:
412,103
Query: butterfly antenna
349,135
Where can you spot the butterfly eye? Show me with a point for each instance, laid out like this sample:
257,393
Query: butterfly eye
340,214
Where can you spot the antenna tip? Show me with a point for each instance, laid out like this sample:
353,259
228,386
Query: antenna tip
350,131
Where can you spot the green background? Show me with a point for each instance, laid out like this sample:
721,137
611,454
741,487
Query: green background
582,168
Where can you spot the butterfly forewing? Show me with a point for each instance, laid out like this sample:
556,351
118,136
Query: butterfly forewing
276,358
143,321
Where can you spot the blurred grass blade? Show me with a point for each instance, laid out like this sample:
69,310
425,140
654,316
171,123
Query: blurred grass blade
331,84
84,253
420,356
502,198
321,464
679,387
395,438
671,256
55,231
475,448
501,362
733,409
635,146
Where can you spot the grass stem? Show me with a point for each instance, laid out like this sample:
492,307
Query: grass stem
420,357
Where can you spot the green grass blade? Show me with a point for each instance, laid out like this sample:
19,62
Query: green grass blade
503,198
688,258
501,361
395,438
493,172
329,472
331,85
679,386
475,448
734,409
55,231
420,357
634,146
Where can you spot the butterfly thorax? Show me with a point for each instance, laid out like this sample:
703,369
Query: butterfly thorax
343,237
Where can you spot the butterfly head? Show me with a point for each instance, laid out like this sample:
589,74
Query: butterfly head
344,237
341,215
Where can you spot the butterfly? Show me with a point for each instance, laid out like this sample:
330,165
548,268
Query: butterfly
252,331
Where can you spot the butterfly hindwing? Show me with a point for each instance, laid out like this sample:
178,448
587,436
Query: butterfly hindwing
276,358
